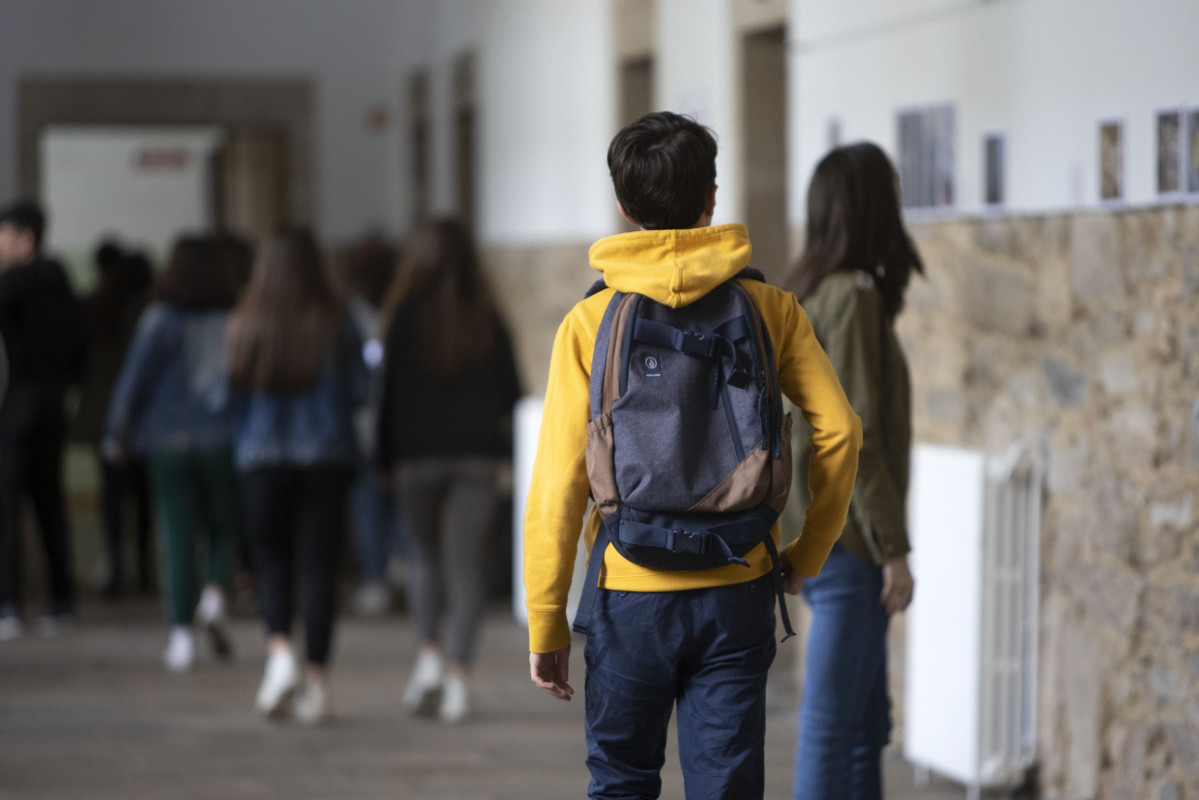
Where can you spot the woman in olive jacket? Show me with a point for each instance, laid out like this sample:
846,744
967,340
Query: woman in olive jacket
851,281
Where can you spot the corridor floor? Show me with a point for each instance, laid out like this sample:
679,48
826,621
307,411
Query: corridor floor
93,715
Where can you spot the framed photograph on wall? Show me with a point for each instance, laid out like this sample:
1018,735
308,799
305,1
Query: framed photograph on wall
1111,160
1169,152
994,170
1191,151
926,156
832,133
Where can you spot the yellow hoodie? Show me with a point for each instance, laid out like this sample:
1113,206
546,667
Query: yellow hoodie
676,268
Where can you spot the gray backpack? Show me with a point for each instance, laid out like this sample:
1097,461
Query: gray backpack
688,448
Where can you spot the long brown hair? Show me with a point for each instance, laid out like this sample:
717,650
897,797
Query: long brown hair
854,223
440,283
285,326
193,278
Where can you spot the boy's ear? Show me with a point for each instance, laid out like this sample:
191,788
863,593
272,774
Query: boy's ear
625,214
705,219
710,205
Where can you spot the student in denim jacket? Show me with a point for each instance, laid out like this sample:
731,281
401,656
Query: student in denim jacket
851,281
296,362
170,405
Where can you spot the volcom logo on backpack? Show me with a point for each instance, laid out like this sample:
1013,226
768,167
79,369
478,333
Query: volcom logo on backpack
692,473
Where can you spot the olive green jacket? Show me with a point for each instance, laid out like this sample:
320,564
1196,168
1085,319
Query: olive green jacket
849,321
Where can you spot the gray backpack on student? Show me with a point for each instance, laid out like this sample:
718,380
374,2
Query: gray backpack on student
688,448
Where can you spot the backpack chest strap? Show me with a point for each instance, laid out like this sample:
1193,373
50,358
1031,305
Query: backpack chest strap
710,346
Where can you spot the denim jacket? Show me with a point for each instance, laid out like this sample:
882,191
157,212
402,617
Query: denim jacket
172,393
309,428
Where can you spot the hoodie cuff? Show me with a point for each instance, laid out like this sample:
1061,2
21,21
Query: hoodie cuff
548,630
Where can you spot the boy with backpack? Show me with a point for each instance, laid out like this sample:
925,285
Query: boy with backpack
664,405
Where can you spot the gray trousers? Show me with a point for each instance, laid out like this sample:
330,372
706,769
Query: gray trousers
449,504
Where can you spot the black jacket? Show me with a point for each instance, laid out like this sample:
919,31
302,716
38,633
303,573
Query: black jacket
421,416
43,326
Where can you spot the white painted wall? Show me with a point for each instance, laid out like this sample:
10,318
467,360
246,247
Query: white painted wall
695,62
545,100
100,181
1044,72
356,52
547,83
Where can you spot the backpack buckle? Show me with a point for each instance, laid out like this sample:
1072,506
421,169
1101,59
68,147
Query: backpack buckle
684,541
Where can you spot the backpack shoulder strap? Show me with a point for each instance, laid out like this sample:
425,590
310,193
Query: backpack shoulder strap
773,410
612,342
750,274
596,288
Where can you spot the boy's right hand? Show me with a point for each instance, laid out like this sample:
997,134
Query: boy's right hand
550,671
792,580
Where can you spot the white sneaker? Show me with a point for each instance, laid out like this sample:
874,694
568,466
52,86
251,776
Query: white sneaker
421,693
312,705
455,700
280,680
211,612
10,627
372,599
212,604
180,654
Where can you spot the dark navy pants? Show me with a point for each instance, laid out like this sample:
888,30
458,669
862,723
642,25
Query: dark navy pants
845,715
706,651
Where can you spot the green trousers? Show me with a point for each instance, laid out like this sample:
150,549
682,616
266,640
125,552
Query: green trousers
198,499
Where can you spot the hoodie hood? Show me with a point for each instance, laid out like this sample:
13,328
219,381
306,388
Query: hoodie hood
672,267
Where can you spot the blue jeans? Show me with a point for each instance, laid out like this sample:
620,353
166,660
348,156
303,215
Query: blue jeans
845,716
706,650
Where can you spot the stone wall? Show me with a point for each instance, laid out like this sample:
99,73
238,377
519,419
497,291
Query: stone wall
1081,332
536,286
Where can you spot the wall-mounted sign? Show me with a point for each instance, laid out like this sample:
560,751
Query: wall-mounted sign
161,159
1111,160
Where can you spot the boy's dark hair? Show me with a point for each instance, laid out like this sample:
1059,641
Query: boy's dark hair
26,215
662,167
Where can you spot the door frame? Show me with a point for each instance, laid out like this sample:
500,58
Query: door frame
285,103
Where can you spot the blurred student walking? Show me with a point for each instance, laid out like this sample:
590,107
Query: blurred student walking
851,281
449,385
296,361
171,406
113,309
41,321
376,527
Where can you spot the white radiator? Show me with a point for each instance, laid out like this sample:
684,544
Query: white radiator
526,429
971,681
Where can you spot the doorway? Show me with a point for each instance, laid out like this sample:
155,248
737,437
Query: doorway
764,131
268,165
419,154
464,137
251,182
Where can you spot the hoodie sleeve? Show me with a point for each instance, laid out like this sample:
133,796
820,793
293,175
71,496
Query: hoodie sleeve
810,382
142,364
558,490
